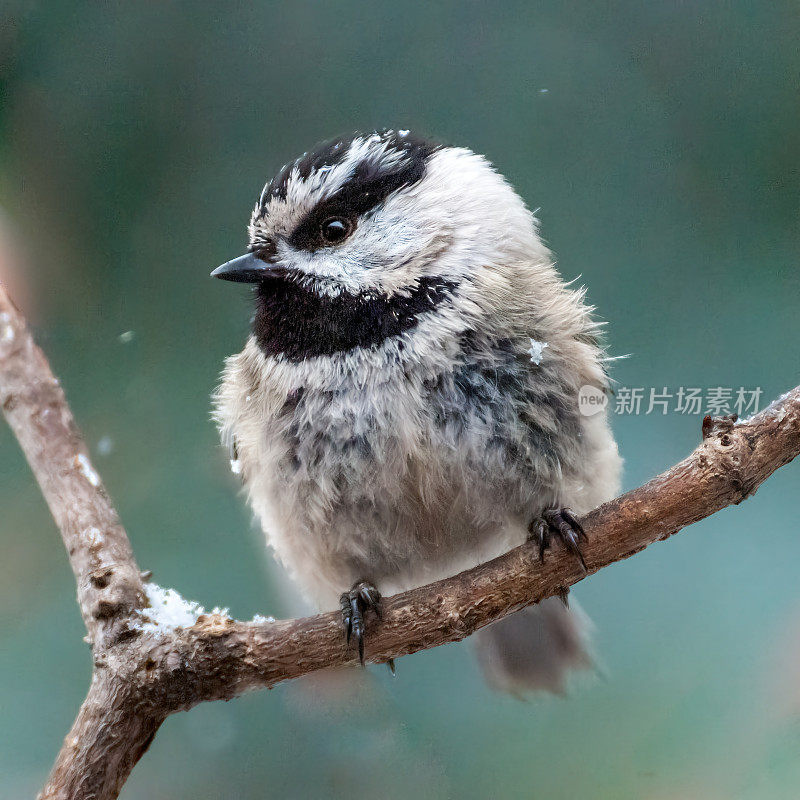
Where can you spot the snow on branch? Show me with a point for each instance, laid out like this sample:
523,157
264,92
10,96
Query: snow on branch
156,653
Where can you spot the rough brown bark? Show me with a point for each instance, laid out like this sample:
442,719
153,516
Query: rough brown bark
109,587
109,736
141,677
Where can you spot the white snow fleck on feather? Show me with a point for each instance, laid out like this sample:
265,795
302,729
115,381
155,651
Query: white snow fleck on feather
536,351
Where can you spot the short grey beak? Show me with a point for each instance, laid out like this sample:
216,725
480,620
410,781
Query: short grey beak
245,269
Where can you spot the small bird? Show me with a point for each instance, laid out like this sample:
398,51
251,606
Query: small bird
407,403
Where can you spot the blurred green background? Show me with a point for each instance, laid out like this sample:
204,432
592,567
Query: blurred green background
659,140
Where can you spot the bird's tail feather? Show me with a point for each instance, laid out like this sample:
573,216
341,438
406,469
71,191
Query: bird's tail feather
535,649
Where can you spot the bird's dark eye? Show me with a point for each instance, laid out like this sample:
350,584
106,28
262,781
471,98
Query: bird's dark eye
335,229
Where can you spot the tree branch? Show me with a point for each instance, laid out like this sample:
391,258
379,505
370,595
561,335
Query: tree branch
109,586
144,673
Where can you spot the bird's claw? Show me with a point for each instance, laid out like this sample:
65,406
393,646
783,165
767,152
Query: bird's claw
355,604
560,522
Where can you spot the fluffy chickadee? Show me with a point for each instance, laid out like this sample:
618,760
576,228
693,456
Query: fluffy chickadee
406,406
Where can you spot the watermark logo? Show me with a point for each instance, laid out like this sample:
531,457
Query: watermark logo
591,400
715,401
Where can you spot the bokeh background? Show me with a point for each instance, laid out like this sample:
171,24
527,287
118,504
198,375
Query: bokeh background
659,140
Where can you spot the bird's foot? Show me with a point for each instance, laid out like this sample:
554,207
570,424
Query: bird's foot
361,598
561,523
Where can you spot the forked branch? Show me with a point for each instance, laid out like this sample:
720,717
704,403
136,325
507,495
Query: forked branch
141,676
